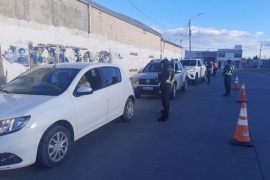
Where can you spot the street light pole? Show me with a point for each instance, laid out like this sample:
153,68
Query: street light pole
189,25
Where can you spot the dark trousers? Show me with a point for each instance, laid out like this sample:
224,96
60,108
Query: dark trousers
208,76
227,83
214,71
165,98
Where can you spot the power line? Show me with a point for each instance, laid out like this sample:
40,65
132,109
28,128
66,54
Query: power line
182,34
146,15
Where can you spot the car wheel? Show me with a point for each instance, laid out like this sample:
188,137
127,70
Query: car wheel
53,146
128,110
137,95
195,80
184,87
173,94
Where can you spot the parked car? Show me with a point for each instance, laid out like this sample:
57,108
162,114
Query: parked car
196,69
146,81
45,109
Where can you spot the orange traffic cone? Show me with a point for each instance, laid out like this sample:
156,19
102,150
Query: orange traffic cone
236,85
242,94
241,136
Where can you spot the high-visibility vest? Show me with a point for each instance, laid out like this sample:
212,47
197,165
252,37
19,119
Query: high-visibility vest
230,71
171,76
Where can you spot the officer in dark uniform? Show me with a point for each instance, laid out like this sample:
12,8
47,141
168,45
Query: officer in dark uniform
166,79
227,73
209,67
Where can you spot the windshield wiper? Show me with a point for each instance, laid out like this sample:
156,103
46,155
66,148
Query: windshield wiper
4,91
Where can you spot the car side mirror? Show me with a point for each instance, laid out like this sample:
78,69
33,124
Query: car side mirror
140,70
80,91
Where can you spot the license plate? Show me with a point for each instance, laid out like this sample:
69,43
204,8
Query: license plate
147,88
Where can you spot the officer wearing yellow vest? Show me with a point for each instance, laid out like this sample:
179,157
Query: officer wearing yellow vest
166,80
227,73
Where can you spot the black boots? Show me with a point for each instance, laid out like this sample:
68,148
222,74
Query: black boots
163,117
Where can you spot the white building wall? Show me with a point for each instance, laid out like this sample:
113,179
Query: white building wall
64,25
11,34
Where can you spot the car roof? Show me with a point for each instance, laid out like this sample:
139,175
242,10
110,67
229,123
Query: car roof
189,59
154,61
76,65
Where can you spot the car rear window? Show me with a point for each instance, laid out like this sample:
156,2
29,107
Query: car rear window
188,62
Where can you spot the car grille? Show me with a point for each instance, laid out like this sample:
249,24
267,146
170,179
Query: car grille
148,82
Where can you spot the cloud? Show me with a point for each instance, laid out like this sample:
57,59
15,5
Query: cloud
259,34
266,43
203,39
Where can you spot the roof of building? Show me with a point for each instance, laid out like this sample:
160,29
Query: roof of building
127,19
166,41
122,17
230,50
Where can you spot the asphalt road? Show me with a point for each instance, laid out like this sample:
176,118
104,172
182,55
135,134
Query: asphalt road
193,144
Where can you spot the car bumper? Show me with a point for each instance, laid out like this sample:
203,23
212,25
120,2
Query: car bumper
19,152
147,90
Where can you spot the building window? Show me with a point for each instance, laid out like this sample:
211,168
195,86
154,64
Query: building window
221,54
238,55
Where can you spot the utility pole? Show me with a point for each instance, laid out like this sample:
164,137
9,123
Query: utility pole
260,52
189,25
189,39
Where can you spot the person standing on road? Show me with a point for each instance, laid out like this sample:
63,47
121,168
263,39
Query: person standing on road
227,73
209,67
166,79
215,69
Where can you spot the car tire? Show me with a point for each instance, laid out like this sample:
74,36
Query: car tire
195,81
173,94
53,146
184,87
137,95
128,110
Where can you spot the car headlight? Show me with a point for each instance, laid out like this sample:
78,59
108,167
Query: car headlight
13,124
135,81
191,70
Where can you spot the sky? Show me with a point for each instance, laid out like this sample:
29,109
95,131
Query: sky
222,24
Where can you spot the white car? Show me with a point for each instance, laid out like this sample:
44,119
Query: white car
45,109
195,69
146,81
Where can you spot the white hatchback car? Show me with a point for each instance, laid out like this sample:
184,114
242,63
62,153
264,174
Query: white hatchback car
46,108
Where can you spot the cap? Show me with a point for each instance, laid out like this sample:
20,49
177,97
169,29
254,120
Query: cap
164,61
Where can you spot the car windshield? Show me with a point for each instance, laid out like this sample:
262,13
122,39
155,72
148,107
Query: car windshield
154,67
188,62
41,81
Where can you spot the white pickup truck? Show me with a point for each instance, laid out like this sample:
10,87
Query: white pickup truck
195,69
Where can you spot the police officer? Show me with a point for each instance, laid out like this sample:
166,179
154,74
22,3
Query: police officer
227,73
209,68
166,80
